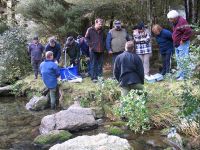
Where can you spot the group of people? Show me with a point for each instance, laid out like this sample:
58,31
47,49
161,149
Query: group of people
130,56
130,71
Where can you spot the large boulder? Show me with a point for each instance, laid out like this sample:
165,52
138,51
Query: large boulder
96,142
52,137
72,119
37,103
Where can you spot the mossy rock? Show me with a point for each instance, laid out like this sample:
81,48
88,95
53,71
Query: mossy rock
115,131
118,123
165,131
169,148
52,137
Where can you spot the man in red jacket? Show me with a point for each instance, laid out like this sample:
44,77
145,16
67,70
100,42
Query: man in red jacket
181,39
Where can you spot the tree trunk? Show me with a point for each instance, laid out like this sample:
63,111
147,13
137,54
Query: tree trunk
10,13
198,7
191,10
149,13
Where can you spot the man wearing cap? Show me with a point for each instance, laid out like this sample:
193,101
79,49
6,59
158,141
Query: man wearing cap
73,50
116,39
35,50
95,40
50,72
181,39
55,47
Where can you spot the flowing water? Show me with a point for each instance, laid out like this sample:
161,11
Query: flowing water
18,128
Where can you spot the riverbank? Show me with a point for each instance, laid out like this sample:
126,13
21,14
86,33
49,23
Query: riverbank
163,104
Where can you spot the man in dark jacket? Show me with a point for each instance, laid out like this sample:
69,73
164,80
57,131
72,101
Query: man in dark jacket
181,39
84,54
128,70
35,50
55,48
95,40
73,50
165,42
50,72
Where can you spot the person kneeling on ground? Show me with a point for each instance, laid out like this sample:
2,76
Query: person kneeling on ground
50,72
128,70
72,49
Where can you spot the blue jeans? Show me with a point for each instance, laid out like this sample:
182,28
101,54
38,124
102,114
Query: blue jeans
182,58
53,98
96,60
36,64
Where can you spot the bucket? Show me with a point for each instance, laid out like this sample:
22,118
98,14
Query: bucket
69,73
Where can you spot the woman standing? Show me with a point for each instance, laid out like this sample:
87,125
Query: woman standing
141,37
165,42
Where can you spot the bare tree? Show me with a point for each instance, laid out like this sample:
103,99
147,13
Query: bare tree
191,10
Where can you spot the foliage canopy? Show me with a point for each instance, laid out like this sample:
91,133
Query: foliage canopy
14,60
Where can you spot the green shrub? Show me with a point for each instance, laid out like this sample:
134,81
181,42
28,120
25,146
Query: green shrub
3,27
195,58
14,60
133,107
191,102
107,91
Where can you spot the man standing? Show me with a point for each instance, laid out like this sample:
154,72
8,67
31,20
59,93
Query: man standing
35,50
116,39
55,48
95,40
181,39
50,72
128,70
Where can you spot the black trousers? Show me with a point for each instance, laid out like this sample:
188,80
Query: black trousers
166,63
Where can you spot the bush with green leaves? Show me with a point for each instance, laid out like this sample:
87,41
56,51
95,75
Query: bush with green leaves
195,58
108,91
3,27
190,108
133,107
14,60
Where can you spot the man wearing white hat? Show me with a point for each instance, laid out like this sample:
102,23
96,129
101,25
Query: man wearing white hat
181,39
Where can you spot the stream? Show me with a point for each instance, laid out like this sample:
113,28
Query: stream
18,128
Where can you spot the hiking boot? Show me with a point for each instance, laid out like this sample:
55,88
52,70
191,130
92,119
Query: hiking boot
180,79
94,80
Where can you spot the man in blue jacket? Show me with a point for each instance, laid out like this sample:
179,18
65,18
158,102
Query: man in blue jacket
35,50
55,48
128,70
165,42
50,72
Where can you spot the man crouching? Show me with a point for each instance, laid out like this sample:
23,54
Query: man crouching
50,72
128,70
